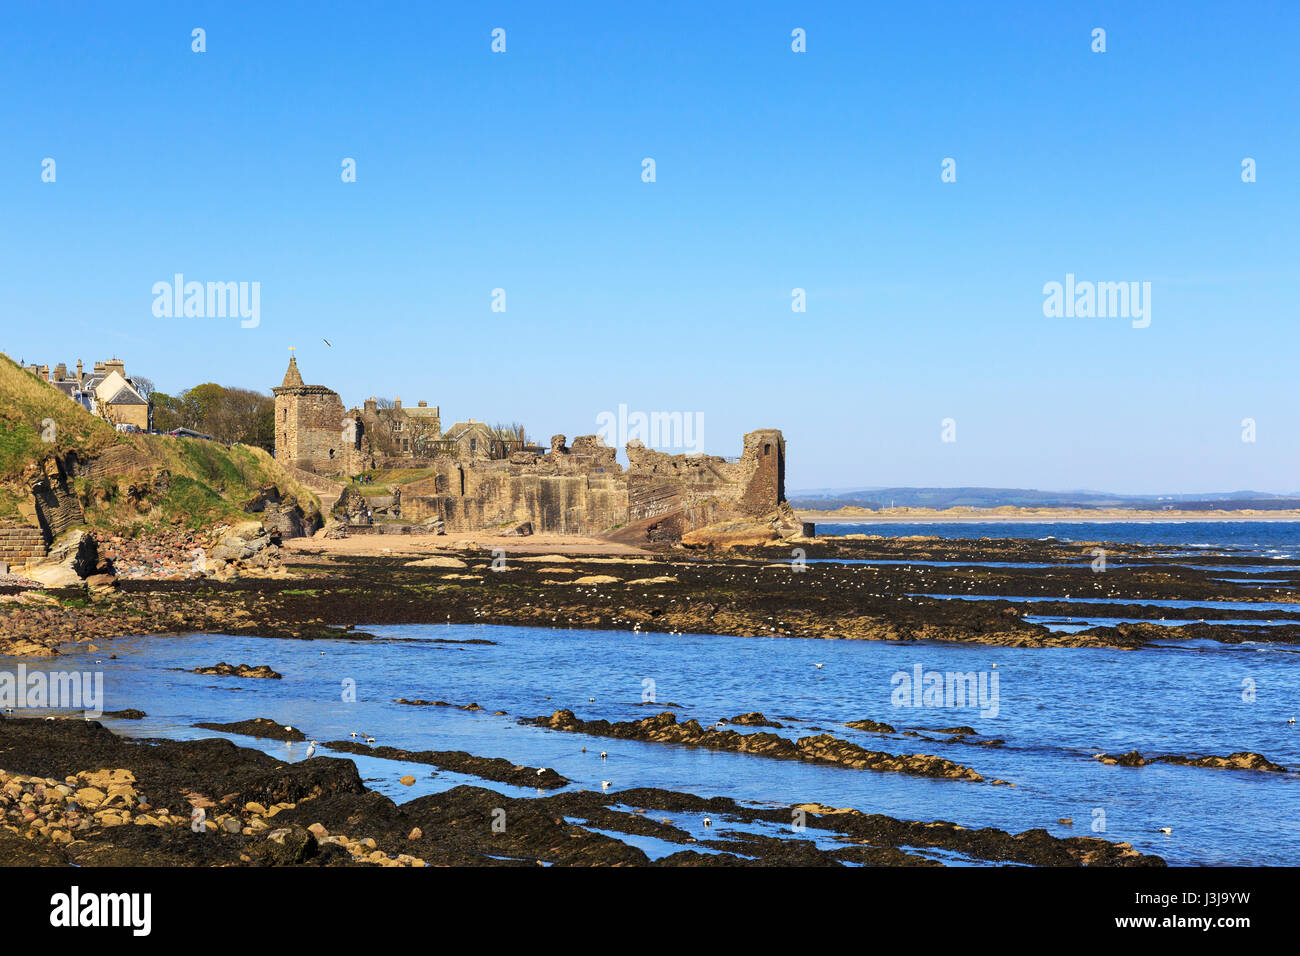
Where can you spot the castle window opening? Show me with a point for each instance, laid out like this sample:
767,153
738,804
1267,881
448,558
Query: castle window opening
767,449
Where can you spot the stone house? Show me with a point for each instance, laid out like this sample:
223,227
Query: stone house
106,391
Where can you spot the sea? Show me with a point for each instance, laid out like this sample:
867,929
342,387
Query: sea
1054,709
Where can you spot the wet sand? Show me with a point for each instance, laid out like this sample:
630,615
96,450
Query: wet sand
376,545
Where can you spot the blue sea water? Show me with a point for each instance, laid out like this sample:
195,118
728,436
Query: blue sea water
1271,540
1055,709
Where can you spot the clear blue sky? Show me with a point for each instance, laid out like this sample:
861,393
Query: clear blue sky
775,170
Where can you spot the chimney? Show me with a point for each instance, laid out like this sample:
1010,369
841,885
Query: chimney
61,372
117,364
422,404
81,375
397,402
371,405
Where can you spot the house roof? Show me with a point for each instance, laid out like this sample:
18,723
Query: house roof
116,390
460,428
127,395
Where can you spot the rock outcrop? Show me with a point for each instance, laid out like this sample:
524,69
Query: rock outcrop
822,748
73,561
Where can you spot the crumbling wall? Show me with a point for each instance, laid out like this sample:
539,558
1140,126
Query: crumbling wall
583,490
577,490
705,489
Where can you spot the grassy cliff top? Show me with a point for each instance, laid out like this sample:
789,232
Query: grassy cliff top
208,481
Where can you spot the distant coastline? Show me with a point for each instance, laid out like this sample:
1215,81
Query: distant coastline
859,515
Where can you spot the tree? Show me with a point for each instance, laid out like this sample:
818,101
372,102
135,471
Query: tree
144,386
226,413
166,412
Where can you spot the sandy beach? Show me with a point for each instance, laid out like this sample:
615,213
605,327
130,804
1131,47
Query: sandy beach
459,541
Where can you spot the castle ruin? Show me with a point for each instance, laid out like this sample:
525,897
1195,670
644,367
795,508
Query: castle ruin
480,478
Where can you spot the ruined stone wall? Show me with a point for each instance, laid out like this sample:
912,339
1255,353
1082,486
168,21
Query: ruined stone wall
583,490
19,543
706,488
560,504
562,492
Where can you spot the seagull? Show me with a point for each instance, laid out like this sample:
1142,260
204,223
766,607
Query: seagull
327,342
603,755
353,735
708,822
311,749
540,771
1291,721
604,785
370,740
1166,829
819,666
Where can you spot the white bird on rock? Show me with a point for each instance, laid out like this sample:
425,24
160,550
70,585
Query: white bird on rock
311,749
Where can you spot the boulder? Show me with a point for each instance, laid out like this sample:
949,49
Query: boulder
71,559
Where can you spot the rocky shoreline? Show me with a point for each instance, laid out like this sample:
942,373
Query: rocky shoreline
761,592
72,792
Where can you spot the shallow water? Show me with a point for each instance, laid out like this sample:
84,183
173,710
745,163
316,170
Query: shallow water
1054,709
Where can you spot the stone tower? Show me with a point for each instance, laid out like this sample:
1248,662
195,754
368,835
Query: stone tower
309,425
764,459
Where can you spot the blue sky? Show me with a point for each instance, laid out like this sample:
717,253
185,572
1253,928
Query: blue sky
775,170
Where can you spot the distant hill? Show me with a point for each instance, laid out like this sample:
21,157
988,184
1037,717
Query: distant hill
91,474
940,498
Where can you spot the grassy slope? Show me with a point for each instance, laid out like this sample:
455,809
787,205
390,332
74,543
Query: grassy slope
209,481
